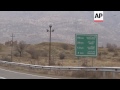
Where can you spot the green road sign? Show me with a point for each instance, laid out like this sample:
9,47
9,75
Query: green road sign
86,44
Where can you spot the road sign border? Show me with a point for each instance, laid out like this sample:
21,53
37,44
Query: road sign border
96,45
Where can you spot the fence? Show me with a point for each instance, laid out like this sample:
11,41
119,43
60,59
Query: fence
101,69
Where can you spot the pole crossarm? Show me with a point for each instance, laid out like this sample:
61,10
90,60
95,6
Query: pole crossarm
50,26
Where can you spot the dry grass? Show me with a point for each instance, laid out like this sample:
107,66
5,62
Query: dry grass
108,59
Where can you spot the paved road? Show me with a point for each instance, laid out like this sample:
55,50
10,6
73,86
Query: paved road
8,74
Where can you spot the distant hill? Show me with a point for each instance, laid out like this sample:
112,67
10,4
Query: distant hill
31,26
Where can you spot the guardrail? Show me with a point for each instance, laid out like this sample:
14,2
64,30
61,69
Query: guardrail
102,69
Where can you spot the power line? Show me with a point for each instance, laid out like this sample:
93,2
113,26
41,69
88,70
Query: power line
50,43
12,48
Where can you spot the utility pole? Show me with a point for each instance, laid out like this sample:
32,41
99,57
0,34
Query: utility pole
50,43
12,47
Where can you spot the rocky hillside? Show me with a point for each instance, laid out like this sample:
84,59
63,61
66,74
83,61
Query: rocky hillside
31,26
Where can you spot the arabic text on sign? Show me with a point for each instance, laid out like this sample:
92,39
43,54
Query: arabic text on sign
91,47
80,37
91,42
80,47
90,38
80,42
91,52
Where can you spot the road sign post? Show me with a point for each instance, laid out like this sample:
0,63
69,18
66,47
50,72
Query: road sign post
86,45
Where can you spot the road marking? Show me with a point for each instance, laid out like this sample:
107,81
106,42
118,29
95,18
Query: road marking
27,74
2,78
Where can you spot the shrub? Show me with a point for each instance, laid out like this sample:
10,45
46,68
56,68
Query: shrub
6,58
20,48
61,55
34,53
52,62
85,64
118,59
108,45
65,46
59,64
43,53
99,55
105,53
16,54
115,54
0,48
111,47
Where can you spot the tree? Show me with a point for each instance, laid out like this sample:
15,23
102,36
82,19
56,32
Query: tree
21,47
111,47
115,46
108,45
34,53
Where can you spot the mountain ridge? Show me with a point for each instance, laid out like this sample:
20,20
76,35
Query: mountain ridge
31,26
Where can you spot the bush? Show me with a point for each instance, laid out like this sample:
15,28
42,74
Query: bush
62,55
115,54
111,47
65,46
0,48
85,63
52,62
34,53
118,59
6,58
43,53
99,56
108,45
20,48
104,53
16,54
59,64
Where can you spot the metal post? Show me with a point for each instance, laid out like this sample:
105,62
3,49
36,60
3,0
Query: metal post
113,75
104,74
78,61
12,47
50,46
92,62
50,43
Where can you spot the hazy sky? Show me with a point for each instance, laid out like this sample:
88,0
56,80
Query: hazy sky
32,25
